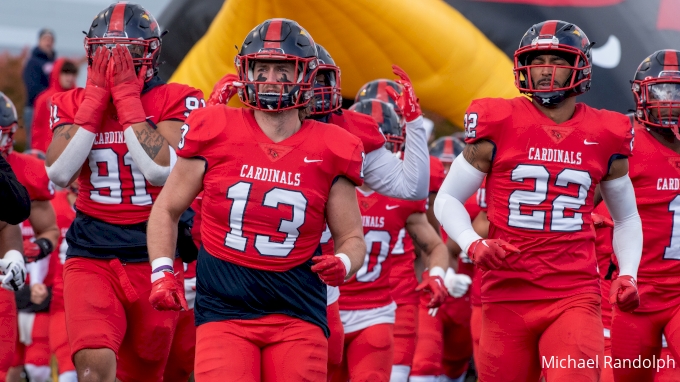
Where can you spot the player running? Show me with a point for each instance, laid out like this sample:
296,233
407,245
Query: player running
542,159
118,137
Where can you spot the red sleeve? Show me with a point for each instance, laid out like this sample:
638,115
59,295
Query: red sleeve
354,171
628,142
38,184
483,119
198,218
362,126
64,107
418,206
180,101
40,130
347,152
199,130
437,174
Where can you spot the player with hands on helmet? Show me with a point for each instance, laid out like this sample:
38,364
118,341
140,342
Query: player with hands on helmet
118,137
645,305
531,152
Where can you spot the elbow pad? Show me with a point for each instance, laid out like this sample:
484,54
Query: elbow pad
152,171
462,181
71,159
619,196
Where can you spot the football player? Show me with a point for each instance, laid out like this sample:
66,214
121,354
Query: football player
118,137
653,171
12,277
542,157
270,179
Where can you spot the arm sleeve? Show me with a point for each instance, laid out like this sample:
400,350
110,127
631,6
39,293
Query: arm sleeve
461,182
407,179
38,270
182,100
619,196
16,202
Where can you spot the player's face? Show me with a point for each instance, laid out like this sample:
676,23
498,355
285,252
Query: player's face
273,71
668,95
67,80
542,76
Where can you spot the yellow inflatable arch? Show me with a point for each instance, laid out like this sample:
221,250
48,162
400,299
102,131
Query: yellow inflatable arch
448,59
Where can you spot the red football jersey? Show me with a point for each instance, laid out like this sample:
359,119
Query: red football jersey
383,219
655,173
360,125
437,174
112,188
31,173
65,216
264,203
605,253
540,193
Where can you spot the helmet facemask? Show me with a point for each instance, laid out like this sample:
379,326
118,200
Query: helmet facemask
327,92
144,52
658,101
7,138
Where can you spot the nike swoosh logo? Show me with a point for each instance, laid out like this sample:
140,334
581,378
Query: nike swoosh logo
391,207
312,160
608,56
585,142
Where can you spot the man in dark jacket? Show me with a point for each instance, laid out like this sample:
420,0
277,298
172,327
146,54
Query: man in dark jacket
36,75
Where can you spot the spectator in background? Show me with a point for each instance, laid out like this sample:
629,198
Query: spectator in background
62,78
36,75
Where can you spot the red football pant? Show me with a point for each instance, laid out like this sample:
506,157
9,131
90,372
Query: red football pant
183,350
521,337
607,374
59,341
270,348
637,336
336,341
476,330
368,355
671,371
107,306
8,331
405,334
451,326
38,352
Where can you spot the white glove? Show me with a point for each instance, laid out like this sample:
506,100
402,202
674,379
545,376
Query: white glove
14,269
190,291
457,284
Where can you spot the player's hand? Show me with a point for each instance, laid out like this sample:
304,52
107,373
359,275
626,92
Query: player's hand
38,293
433,283
624,293
490,253
96,95
167,293
126,86
407,100
13,269
331,269
457,284
38,249
224,89
600,221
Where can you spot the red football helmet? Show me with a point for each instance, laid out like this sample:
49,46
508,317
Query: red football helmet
8,124
656,89
130,25
376,90
327,95
561,39
387,120
447,148
277,40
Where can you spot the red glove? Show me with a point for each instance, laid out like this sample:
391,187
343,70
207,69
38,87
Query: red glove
126,87
96,98
600,221
490,253
624,293
224,89
407,100
36,250
435,286
330,268
167,293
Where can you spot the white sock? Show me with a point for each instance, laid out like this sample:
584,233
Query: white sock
424,378
400,373
447,379
68,376
37,373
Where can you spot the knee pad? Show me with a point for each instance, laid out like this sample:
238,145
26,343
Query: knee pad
68,376
400,373
37,373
